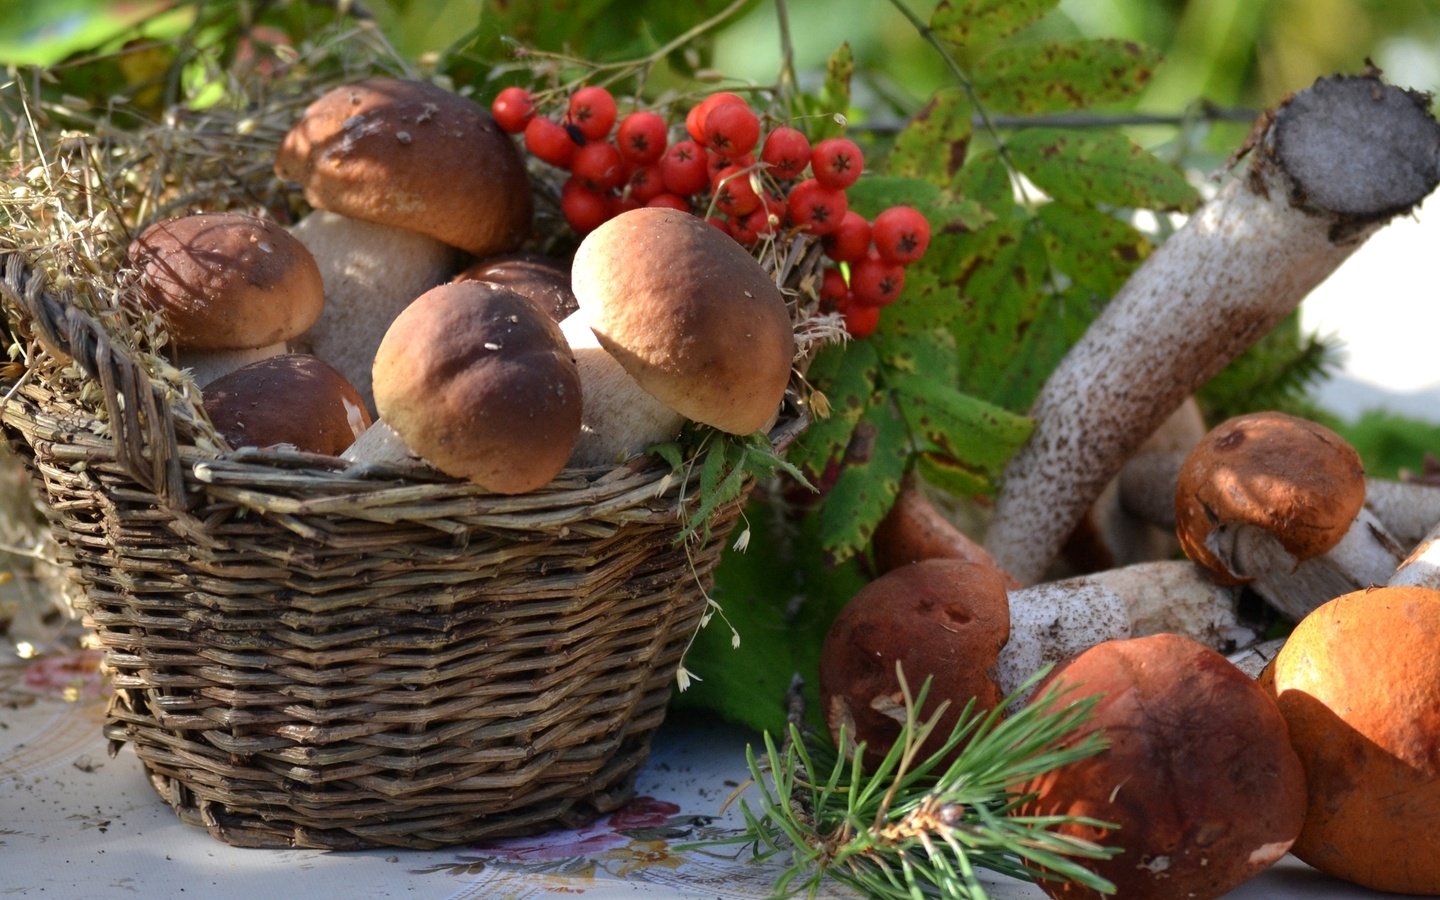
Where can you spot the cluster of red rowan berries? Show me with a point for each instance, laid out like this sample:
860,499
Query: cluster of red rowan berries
721,169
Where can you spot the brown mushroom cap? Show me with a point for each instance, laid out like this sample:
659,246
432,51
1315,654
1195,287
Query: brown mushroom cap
227,281
544,280
1291,477
292,399
944,619
479,382
411,155
1358,681
692,316
1199,774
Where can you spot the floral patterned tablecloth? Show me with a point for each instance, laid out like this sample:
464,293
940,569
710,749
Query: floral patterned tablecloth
75,823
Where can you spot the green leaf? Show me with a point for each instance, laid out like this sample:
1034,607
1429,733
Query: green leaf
1097,251
847,376
1105,167
1047,76
959,427
934,143
1059,322
830,108
976,23
872,194
869,480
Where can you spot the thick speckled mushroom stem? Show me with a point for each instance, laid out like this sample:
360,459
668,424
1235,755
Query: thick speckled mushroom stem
1327,169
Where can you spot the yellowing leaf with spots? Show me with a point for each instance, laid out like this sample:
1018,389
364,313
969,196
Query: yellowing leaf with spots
1049,76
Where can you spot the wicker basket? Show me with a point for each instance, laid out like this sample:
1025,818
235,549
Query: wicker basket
306,655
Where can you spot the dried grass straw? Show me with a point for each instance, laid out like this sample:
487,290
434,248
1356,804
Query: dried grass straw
304,655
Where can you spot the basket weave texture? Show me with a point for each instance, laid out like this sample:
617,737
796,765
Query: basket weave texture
307,655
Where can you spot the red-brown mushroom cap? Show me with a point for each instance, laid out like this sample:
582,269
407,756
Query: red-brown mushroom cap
1293,478
227,281
944,619
480,383
1358,681
544,280
1198,774
692,317
415,156
293,399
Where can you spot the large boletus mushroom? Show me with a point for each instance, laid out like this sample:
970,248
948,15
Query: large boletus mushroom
477,381
1198,774
232,288
1358,681
405,176
676,321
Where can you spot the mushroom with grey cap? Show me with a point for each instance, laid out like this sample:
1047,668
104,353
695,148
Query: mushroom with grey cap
232,288
676,321
478,382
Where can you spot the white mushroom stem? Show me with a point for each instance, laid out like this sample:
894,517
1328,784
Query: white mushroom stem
1253,659
207,365
371,272
1052,621
1327,170
381,445
619,417
1366,556
1422,567
1409,509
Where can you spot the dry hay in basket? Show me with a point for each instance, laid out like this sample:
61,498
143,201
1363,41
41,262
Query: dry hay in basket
304,654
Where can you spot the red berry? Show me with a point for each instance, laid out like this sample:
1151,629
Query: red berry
762,221
837,162
549,141
620,203
599,165
641,137
513,108
902,234
683,167
787,151
669,200
832,286
732,129
861,319
734,195
645,182
851,241
875,281
695,118
592,110
815,207
584,209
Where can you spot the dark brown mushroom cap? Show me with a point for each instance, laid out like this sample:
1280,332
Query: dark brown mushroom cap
411,155
1199,774
294,399
543,280
944,619
692,317
479,382
1296,479
1358,682
227,281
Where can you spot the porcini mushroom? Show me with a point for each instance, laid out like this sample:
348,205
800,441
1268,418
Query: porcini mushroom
232,288
688,326
1358,682
544,280
1328,168
477,381
429,170
1277,502
293,399
1198,772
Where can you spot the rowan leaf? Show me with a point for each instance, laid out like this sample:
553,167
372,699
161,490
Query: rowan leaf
1106,167
962,429
869,479
976,23
934,143
1047,76
848,376
1096,251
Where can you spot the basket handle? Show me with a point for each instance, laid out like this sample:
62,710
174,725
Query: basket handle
142,423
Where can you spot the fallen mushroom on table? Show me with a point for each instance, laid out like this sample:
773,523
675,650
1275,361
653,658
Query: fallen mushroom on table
231,288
